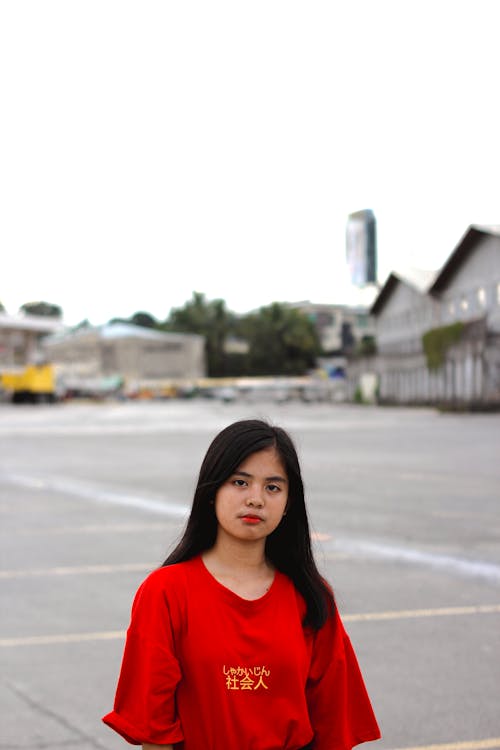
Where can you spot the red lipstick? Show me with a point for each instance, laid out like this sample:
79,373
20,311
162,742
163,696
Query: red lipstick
251,519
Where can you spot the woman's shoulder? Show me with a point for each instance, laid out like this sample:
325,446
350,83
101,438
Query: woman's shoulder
169,580
177,572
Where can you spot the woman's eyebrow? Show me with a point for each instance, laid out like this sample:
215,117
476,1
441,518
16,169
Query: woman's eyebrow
276,478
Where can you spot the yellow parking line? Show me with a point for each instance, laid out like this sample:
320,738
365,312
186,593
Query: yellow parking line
78,570
411,613
339,556
492,742
115,528
45,640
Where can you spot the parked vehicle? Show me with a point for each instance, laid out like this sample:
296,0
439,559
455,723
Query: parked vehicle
33,384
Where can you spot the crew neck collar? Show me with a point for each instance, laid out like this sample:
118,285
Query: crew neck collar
230,595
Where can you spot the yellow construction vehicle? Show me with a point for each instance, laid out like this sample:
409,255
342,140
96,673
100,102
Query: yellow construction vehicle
33,384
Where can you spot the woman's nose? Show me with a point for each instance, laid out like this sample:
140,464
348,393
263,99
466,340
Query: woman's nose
255,500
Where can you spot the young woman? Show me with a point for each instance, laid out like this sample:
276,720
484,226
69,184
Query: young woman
235,643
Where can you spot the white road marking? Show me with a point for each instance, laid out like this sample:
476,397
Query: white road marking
451,563
351,547
91,492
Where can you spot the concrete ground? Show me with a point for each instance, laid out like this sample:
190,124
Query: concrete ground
405,506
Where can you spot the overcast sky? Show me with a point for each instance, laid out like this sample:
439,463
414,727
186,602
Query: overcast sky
149,149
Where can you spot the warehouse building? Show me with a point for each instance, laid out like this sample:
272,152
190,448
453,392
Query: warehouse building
20,337
457,310
136,355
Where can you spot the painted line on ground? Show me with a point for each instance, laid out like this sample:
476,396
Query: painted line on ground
487,744
403,614
48,640
414,556
320,536
102,528
107,635
67,570
338,556
78,570
355,547
85,491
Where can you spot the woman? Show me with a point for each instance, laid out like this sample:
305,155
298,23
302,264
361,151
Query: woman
235,643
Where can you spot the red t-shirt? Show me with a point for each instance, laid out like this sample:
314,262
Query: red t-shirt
208,670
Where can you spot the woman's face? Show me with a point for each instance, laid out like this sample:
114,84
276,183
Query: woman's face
251,502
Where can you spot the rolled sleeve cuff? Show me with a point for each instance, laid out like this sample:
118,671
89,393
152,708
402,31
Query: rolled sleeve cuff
137,736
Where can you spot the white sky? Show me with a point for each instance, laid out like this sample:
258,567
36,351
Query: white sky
149,149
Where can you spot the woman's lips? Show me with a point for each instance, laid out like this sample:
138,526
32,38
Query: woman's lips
251,519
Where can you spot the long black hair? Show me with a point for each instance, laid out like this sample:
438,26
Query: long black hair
288,548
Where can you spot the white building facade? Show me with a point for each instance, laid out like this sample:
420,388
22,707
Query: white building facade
20,337
138,355
465,291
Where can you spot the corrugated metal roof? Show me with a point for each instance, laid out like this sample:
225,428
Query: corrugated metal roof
128,330
488,228
418,279
113,331
35,323
461,253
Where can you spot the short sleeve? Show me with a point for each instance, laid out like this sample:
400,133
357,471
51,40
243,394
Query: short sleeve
144,709
339,707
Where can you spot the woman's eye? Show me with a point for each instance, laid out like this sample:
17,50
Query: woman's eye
239,482
273,487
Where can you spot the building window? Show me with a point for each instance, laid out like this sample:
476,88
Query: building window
498,293
481,297
451,308
464,304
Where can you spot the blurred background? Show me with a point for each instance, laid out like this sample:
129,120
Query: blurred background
213,211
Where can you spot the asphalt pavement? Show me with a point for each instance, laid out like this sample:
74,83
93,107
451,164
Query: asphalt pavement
405,508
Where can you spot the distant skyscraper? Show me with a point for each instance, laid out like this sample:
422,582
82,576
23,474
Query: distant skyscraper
361,247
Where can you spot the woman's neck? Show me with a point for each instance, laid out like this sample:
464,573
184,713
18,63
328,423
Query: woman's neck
238,558
241,568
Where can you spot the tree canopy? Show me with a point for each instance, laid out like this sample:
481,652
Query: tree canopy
274,340
281,340
210,319
143,319
45,309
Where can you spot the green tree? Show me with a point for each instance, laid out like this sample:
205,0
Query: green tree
85,323
140,318
283,341
45,309
210,319
143,319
